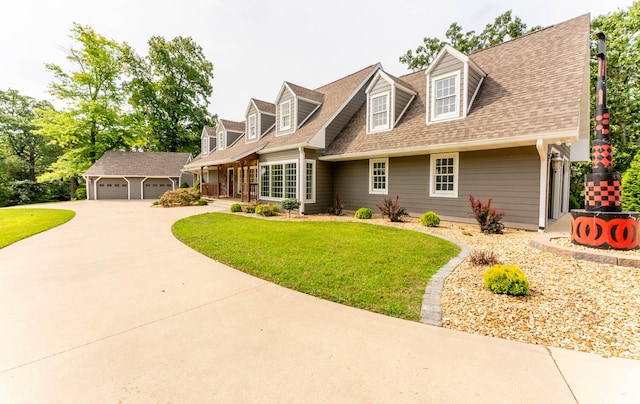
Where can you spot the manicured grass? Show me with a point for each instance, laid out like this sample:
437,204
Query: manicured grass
376,268
17,224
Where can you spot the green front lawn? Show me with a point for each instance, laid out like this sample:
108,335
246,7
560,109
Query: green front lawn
376,268
17,224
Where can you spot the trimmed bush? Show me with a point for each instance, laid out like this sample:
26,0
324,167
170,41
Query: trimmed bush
364,213
392,209
290,204
487,217
202,202
430,219
184,184
236,207
81,193
506,279
483,258
249,207
180,197
267,209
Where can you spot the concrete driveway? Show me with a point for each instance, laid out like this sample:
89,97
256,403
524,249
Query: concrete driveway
110,307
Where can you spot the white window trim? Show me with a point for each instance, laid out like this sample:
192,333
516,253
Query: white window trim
271,163
450,115
280,116
313,181
253,117
370,99
386,177
222,140
205,145
432,175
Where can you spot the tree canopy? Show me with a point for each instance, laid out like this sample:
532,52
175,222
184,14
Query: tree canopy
503,28
93,119
170,88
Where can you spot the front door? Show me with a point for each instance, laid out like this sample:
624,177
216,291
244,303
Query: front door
230,180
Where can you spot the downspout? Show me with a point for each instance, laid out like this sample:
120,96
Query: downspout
303,179
542,203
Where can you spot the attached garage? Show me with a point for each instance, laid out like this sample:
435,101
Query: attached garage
136,175
153,188
112,188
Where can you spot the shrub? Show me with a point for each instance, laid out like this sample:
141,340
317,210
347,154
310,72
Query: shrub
236,207
488,218
202,202
392,209
81,193
483,258
290,204
184,184
364,213
506,279
338,206
267,209
430,219
249,207
180,197
196,184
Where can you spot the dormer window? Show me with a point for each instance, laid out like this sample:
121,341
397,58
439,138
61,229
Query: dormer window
380,112
205,145
222,143
252,127
285,115
445,96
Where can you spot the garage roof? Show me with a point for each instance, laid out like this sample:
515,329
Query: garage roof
139,164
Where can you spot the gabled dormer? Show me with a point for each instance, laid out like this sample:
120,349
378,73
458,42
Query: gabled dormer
387,99
207,140
228,133
294,106
453,80
260,118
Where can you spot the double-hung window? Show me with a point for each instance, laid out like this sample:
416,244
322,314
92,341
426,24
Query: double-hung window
378,176
285,115
221,140
444,175
310,174
379,112
252,129
445,96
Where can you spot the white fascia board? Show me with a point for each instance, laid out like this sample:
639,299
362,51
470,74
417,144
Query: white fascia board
527,140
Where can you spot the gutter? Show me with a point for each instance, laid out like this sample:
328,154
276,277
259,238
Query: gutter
542,192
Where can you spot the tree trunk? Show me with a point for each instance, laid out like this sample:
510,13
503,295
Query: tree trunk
73,184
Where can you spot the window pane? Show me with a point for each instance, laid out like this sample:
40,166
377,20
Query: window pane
290,180
379,112
445,96
379,175
264,189
444,178
276,181
309,181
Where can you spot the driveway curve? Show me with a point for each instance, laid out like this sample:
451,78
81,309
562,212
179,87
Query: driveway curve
110,307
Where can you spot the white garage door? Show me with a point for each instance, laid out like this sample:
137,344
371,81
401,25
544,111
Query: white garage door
113,188
154,187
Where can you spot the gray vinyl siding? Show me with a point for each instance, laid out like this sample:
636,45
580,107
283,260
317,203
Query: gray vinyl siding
266,122
474,82
232,137
380,87
286,155
286,95
345,115
304,110
509,176
324,185
402,99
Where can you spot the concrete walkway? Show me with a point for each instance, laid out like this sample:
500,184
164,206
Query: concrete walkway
111,308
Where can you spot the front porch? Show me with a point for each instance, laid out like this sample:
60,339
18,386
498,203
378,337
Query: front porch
236,180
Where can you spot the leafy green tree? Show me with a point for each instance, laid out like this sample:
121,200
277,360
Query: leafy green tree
171,89
93,119
17,133
622,29
631,186
503,28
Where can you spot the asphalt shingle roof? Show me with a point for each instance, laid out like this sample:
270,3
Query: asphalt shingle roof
139,164
533,87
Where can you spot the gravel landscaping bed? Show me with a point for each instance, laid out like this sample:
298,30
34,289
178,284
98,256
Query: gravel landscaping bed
573,304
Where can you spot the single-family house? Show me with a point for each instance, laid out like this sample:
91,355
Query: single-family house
504,122
136,175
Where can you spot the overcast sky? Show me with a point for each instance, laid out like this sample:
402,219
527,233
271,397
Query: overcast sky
256,45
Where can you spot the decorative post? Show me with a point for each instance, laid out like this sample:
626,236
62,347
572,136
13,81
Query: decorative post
603,224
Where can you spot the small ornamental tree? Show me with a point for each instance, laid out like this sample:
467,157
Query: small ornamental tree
631,186
488,218
391,208
290,204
